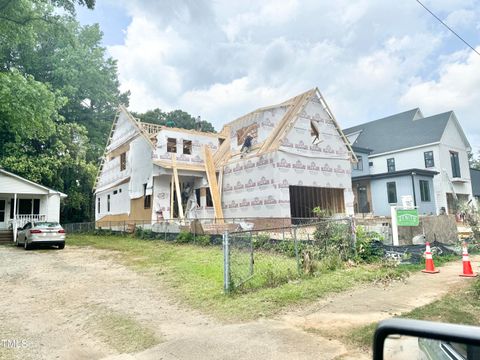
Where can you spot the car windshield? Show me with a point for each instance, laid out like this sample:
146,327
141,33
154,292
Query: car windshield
47,224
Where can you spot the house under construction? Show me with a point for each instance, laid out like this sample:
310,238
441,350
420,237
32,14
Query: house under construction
279,161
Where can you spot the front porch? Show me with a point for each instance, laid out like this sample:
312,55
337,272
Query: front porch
19,209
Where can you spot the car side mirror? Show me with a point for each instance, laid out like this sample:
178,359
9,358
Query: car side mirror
417,339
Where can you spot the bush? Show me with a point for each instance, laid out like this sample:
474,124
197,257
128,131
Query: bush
333,237
261,241
366,247
184,237
203,240
476,289
329,263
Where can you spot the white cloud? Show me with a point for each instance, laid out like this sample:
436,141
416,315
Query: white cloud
370,58
457,88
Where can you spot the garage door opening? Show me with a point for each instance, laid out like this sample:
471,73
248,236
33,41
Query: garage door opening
303,199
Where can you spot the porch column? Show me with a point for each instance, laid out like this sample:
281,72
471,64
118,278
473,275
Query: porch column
14,217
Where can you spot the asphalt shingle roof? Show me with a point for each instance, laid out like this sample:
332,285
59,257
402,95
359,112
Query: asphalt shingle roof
475,179
399,131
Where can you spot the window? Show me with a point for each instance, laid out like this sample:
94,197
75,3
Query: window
197,195
120,190
115,192
171,145
98,205
455,164
25,206
392,192
424,190
123,161
359,164
36,206
187,147
147,199
209,198
391,165
108,203
428,156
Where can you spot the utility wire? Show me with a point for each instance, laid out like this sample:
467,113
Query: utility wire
449,28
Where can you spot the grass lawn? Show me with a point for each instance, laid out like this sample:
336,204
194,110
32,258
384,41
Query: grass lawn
195,274
458,307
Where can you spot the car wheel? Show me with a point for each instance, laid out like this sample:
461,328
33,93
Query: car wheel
61,246
26,245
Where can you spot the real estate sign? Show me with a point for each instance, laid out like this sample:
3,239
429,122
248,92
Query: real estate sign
407,217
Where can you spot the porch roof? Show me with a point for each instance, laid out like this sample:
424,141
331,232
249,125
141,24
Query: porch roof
421,172
33,187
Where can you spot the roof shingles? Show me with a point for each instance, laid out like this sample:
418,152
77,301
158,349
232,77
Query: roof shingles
399,131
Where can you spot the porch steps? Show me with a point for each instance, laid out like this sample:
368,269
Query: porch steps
6,236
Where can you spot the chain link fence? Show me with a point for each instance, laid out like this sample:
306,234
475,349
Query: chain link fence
266,258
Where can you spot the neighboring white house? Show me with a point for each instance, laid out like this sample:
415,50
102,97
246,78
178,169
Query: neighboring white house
299,159
409,154
22,200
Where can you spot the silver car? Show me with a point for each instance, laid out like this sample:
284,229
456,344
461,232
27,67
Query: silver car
41,233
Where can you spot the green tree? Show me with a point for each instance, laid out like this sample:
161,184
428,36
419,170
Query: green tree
474,161
58,95
180,118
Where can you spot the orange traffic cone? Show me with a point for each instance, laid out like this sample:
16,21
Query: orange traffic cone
467,267
429,266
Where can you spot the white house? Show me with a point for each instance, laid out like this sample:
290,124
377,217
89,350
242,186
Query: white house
22,200
299,159
410,154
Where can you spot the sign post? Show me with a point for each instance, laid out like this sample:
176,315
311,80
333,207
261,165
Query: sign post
393,212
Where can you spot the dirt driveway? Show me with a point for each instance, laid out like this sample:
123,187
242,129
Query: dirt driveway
80,303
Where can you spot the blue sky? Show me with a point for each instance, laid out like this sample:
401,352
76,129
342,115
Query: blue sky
221,59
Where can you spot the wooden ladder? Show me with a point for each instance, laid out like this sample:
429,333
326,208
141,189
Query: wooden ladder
212,182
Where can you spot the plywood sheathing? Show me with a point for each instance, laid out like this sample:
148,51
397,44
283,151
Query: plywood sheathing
109,140
212,183
353,157
286,123
172,189
177,186
222,154
138,125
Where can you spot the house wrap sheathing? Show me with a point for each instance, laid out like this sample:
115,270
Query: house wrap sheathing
299,160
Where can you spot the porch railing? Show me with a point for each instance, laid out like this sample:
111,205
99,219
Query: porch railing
23,219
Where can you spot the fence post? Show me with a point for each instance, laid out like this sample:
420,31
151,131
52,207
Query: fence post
251,253
354,234
295,243
226,264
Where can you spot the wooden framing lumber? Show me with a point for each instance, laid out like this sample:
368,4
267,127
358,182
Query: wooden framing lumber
223,152
212,182
340,132
172,189
273,141
180,166
99,171
177,186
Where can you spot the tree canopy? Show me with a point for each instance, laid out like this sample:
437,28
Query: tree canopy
59,92
178,118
